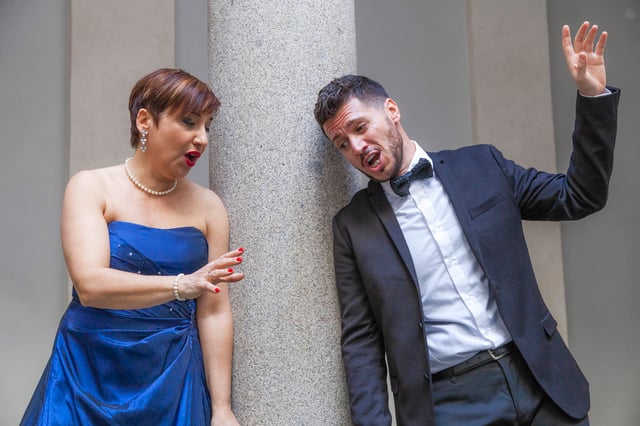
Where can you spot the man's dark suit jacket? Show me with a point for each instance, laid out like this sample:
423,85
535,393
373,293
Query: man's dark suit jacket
377,286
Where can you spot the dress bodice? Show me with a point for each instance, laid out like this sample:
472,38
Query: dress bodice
151,251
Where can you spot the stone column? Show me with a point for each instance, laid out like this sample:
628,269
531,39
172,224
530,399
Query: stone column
511,108
282,183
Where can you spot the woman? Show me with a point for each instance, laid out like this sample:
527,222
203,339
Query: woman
147,337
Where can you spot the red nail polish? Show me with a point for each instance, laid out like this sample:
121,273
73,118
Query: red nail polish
240,249
217,290
238,259
230,271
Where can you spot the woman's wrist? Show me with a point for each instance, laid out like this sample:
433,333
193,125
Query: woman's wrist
176,288
223,416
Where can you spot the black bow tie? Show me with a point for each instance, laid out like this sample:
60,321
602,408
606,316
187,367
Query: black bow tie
422,170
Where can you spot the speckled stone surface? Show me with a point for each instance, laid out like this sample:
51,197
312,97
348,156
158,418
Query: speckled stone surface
282,183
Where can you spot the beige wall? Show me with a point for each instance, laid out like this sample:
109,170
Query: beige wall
33,119
113,44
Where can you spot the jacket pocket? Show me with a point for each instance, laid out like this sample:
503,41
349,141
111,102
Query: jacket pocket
486,205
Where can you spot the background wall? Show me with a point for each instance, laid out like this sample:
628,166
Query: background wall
418,52
111,47
34,99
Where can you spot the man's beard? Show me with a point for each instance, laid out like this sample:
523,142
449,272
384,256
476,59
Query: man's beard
395,149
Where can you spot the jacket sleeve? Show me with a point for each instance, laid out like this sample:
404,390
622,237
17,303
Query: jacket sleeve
362,342
583,189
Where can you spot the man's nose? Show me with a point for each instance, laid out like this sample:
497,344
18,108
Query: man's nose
358,144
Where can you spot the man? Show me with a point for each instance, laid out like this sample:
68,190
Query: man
434,273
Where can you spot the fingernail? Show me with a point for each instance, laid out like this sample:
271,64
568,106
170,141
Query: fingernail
217,290
230,270
238,259
240,249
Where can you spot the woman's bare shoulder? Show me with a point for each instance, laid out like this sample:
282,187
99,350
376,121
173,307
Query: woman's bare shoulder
205,198
94,179
213,211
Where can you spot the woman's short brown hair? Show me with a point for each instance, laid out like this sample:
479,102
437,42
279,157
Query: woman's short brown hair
169,90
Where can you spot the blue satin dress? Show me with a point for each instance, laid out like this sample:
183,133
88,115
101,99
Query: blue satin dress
130,367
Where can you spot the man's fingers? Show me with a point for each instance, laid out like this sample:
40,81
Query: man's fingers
590,39
580,36
602,43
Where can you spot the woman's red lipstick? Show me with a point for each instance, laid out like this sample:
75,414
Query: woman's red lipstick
191,157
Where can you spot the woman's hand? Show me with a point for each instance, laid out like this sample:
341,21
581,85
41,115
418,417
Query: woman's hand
207,278
224,418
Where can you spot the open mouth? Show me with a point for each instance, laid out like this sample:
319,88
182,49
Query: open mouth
191,158
371,159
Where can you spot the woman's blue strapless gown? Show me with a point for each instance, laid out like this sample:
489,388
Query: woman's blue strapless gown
130,367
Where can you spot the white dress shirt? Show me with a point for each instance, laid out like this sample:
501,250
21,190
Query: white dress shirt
460,316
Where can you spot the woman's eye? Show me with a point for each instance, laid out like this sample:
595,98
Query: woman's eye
188,122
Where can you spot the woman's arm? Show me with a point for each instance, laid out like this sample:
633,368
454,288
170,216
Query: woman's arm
85,242
215,321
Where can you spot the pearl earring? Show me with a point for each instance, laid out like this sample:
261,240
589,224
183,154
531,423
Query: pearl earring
143,140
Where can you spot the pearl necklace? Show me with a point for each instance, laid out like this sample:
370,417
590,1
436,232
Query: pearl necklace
140,186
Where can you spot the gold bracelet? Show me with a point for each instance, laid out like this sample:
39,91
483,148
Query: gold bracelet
176,292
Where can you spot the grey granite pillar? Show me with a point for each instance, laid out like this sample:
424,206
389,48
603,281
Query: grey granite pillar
281,183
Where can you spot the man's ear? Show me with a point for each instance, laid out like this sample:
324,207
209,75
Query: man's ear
392,109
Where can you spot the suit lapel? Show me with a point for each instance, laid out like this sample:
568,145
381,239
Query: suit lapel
444,174
385,213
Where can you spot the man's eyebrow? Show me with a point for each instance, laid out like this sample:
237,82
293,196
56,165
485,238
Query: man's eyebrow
346,125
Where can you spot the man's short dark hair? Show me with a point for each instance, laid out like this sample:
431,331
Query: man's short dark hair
332,96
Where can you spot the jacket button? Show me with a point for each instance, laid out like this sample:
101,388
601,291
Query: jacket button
427,377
